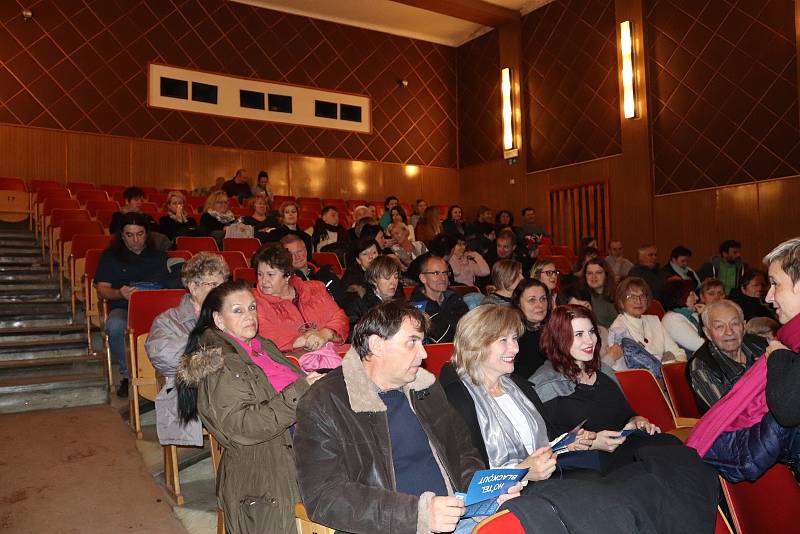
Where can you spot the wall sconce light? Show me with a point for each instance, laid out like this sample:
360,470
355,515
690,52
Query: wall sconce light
27,15
507,112
629,107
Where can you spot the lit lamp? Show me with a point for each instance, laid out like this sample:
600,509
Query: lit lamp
510,153
628,79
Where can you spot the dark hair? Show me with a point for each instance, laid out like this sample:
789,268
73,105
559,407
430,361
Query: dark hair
580,261
131,193
679,251
450,211
749,275
399,209
507,234
264,174
381,267
729,244
117,246
360,245
442,245
389,199
524,210
187,393
674,293
609,286
558,337
384,321
575,290
326,209
370,231
525,284
276,256
500,213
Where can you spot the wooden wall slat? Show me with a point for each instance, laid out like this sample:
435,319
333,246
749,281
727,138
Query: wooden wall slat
94,157
33,153
161,165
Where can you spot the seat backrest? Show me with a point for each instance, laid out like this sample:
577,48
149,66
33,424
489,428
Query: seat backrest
9,183
235,259
328,258
503,522
407,290
72,227
646,398
563,250
722,526
196,244
680,392
37,185
150,208
112,189
81,243
245,273
59,215
80,186
767,505
51,203
105,215
85,195
655,308
145,305
149,191
246,245
196,202
562,263
438,355
92,259
185,254
465,290
93,205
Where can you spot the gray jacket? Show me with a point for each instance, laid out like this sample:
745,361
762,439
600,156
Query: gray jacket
550,384
165,346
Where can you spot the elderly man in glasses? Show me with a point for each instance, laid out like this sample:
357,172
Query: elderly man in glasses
444,307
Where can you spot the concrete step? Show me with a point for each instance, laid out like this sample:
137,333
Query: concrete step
13,234
23,249
17,260
24,269
24,310
34,277
12,294
55,367
22,394
35,332
43,348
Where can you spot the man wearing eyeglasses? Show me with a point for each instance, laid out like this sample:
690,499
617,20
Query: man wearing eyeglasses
444,307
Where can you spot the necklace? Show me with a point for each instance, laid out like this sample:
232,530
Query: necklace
634,326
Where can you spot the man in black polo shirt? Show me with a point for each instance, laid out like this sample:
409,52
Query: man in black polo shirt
128,264
311,271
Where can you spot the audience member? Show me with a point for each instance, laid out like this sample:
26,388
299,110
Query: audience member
504,220
467,265
502,412
633,298
750,295
263,189
238,186
419,208
506,276
383,277
294,314
176,223
327,230
530,229
429,225
217,215
597,276
711,290
399,217
261,220
454,223
679,266
532,298
578,390
308,270
129,263
444,306
134,198
545,271
504,248
649,270
763,327
348,480
166,345
726,267
245,392
404,248
723,359
373,211
359,212
616,260
681,320
362,253
588,254
288,212
576,293
388,204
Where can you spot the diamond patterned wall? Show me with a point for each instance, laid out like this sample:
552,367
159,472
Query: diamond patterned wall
571,83
723,92
81,65
480,128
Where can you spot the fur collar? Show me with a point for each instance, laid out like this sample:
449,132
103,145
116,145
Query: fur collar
200,364
363,393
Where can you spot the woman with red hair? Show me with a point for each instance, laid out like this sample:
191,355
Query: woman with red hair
576,388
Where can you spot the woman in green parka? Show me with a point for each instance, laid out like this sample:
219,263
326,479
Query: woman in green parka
245,392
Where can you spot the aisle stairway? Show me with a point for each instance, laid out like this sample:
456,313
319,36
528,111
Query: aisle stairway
44,359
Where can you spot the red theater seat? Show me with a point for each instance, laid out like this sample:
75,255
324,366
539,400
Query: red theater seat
767,505
245,273
196,244
646,398
328,258
234,259
438,355
246,245
680,392
503,522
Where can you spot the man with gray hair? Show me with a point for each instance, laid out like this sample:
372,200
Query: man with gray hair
728,353
648,269
238,186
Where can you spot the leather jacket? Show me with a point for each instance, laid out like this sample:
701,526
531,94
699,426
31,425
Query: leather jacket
344,456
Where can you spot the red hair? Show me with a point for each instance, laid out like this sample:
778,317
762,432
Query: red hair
558,337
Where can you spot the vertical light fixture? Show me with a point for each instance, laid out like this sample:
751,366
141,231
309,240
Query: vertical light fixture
628,79
508,114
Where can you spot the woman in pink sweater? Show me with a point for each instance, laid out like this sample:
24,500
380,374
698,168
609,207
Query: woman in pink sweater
294,314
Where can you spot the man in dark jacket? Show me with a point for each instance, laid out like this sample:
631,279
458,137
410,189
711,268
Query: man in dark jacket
378,448
679,265
444,307
310,271
238,186
648,269
727,267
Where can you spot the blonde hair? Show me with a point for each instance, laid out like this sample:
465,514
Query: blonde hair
213,198
400,226
504,273
476,331
174,194
624,287
538,267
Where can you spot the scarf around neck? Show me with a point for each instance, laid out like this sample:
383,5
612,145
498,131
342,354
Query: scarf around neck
224,218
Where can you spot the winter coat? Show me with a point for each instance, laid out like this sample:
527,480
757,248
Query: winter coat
444,316
344,460
256,481
280,320
165,346
710,269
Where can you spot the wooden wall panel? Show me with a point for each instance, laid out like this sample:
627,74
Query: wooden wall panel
161,165
361,179
99,159
737,217
441,185
404,182
274,163
777,208
687,220
311,177
210,163
32,153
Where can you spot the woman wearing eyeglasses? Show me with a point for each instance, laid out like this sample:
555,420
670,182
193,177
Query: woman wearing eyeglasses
632,299
532,298
546,272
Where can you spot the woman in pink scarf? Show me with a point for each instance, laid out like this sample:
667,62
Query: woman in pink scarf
756,424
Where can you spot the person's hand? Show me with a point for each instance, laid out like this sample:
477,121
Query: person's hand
607,440
300,341
583,441
699,307
775,345
512,492
126,291
445,513
313,377
615,352
641,423
314,340
540,464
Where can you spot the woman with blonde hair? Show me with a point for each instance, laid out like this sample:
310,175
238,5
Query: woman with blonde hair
176,223
405,248
217,215
289,213
506,276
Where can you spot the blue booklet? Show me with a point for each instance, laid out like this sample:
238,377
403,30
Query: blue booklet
559,445
486,487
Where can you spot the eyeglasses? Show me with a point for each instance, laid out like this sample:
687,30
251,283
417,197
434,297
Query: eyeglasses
638,298
550,272
212,285
436,273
